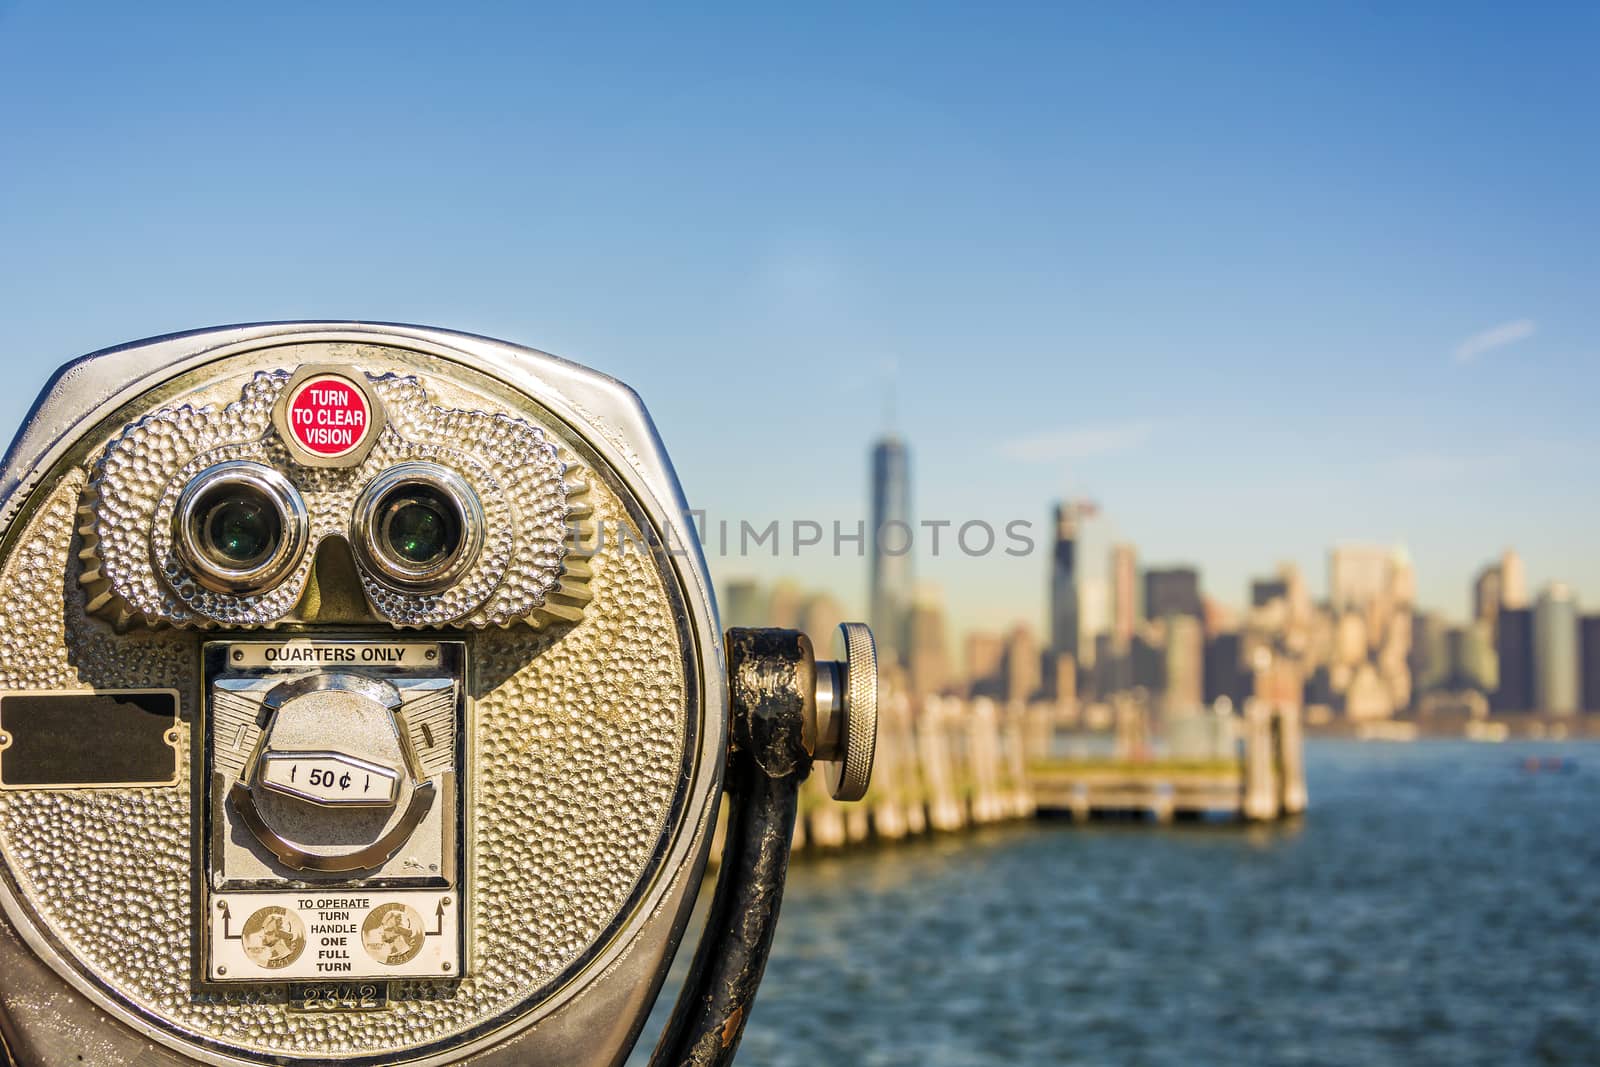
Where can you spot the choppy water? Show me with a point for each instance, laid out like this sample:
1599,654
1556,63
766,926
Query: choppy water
1440,905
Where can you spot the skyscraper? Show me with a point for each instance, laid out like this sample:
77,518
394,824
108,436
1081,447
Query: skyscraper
1486,595
1112,673
891,540
1476,662
1514,651
1064,582
1299,595
1358,575
1023,679
1150,659
1513,581
927,650
1400,587
1555,651
1224,669
985,655
1183,665
1431,660
1589,651
1124,595
1264,591
1172,591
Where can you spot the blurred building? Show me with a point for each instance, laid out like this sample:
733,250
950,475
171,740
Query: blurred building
891,540
1112,671
1555,651
1278,680
1474,661
1358,575
985,660
1023,680
1589,652
1064,581
1124,594
1172,591
1401,590
1094,613
1148,660
1514,656
1367,697
1502,584
743,604
1299,596
1513,581
1350,643
1264,591
1061,679
820,618
1486,595
1216,617
1225,674
1393,652
1184,664
1431,662
928,649
786,606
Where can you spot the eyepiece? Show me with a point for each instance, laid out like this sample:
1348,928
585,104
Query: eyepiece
239,527
417,527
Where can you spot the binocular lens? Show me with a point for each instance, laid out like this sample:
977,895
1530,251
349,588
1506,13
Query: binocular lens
417,527
242,528
420,526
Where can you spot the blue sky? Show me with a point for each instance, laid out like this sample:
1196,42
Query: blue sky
1218,267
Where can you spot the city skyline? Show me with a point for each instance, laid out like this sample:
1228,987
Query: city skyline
1078,564
1365,651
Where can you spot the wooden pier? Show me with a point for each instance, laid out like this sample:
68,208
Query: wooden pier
949,763
1265,780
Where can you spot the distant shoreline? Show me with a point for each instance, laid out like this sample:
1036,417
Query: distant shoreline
1538,726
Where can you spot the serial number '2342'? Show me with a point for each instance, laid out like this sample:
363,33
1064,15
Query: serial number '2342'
338,996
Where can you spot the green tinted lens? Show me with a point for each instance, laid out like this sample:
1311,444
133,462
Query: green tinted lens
241,527
420,527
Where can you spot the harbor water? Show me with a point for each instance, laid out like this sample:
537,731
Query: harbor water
1440,905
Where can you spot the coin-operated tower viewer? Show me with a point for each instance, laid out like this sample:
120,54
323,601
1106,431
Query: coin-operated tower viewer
362,702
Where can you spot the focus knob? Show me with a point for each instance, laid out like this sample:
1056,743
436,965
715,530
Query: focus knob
847,712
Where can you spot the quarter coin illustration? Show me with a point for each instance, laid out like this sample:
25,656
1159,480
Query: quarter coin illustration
392,934
273,937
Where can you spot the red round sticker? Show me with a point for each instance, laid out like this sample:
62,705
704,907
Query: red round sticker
328,416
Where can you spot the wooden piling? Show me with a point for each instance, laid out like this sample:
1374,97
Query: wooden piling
1261,757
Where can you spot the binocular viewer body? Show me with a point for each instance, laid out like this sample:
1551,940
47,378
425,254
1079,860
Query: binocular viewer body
363,700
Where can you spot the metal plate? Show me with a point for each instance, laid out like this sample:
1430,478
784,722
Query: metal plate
94,739
339,935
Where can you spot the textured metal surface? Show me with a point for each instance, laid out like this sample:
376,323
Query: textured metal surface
849,778
772,682
579,735
514,466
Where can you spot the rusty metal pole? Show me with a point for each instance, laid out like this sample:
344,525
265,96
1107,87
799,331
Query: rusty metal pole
788,710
